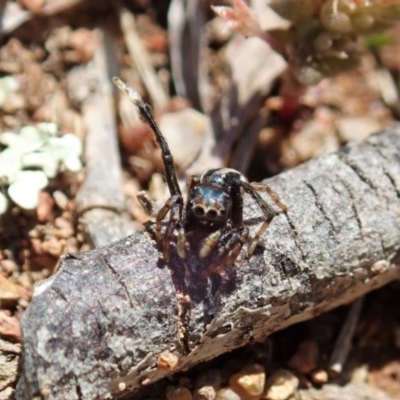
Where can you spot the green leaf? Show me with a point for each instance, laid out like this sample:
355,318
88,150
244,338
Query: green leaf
43,160
26,189
10,164
29,139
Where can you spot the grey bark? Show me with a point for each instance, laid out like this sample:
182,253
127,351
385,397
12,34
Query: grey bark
96,329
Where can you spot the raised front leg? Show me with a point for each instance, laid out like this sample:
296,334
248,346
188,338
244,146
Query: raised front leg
174,206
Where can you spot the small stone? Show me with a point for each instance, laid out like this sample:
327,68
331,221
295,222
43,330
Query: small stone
83,44
44,210
319,376
32,5
7,394
205,393
10,293
53,246
227,394
355,129
64,227
306,357
315,137
178,393
167,360
61,199
281,385
359,375
8,266
10,327
249,382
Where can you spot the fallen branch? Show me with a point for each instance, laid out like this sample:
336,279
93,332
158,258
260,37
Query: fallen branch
100,201
106,323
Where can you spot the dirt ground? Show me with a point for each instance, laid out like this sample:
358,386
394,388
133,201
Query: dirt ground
55,39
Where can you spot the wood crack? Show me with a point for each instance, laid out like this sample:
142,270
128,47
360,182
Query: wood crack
392,182
120,281
353,207
295,237
321,208
358,171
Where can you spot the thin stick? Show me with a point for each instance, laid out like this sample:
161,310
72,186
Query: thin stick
343,342
141,58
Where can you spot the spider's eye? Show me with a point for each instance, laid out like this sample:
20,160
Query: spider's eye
199,211
212,214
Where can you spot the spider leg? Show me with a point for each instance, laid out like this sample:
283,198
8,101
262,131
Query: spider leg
183,246
265,188
191,181
174,205
173,223
147,116
233,242
267,210
237,203
145,202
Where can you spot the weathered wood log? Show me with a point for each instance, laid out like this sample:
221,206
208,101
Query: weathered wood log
106,323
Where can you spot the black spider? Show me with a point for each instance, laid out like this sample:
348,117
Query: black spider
210,225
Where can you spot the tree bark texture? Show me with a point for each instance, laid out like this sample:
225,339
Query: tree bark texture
108,321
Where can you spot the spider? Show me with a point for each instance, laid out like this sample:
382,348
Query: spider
210,224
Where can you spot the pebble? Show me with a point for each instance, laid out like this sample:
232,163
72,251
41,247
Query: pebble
32,5
7,394
167,360
60,199
178,393
8,266
355,129
10,293
281,385
249,382
319,376
227,394
44,209
205,393
10,327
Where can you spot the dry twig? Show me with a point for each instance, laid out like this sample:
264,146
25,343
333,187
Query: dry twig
101,327
141,59
100,200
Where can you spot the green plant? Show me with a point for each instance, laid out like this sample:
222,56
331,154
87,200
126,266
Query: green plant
31,158
324,35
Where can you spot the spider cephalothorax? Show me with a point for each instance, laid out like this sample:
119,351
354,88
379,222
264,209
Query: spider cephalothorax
210,225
